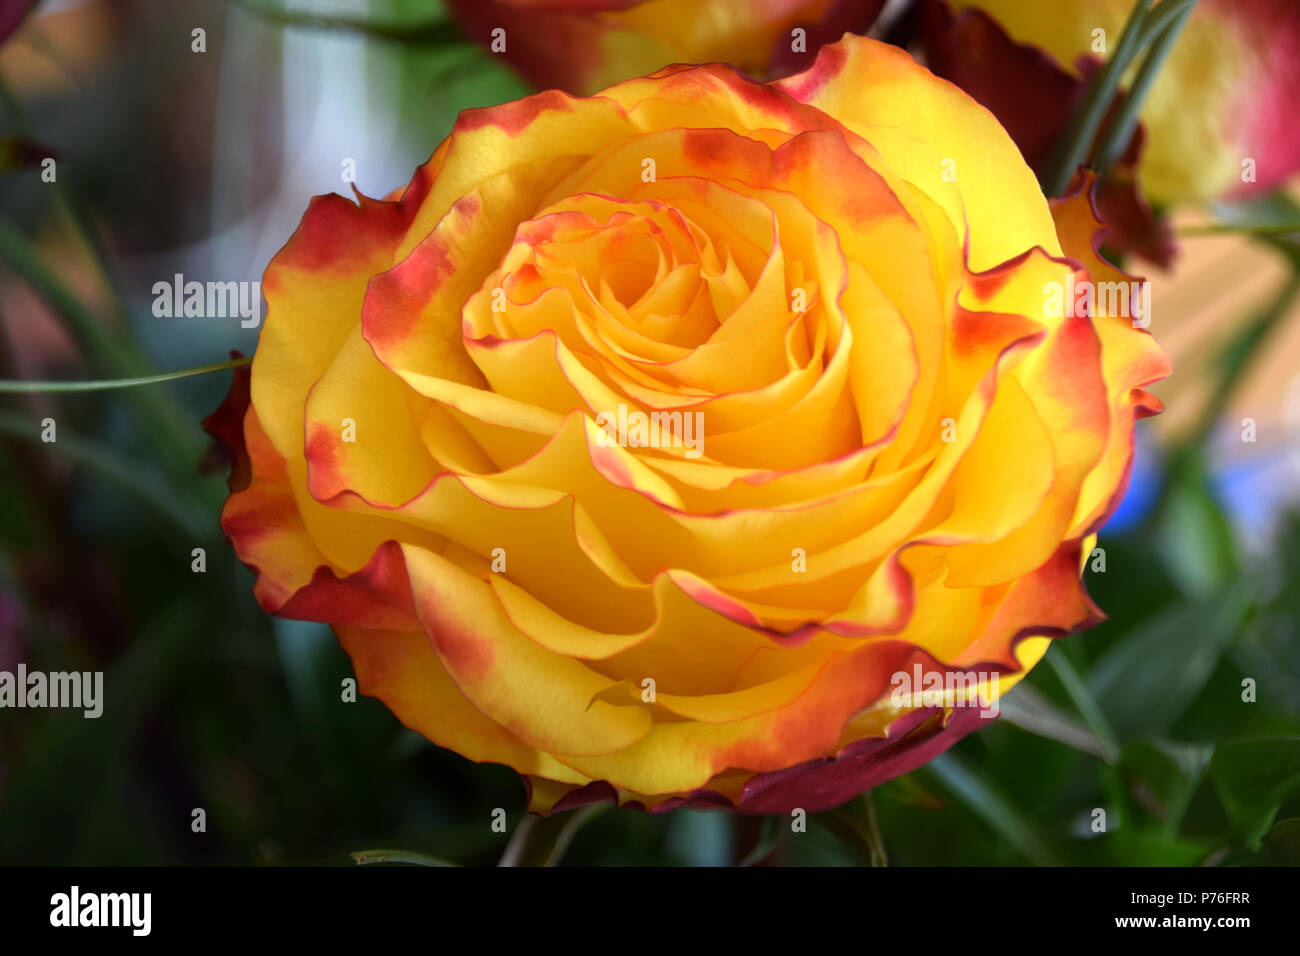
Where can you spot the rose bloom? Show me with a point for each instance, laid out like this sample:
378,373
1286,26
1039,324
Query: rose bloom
1229,91
585,45
850,279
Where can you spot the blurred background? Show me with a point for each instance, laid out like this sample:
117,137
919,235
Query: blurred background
187,138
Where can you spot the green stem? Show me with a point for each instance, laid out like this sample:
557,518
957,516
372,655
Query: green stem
1072,149
855,823
878,855
1083,700
17,385
1166,22
992,807
1162,16
543,841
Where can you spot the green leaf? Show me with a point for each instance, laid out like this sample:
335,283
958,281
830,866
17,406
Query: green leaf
855,823
993,808
364,857
770,832
1139,846
129,472
1254,776
1282,842
1162,776
1027,708
1088,707
1146,681
909,791
1193,536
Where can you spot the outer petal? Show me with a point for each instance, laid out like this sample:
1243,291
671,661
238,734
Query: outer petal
368,586
313,288
1131,358
402,669
878,91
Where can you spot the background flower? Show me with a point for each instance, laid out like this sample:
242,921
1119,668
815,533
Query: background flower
1225,95
585,45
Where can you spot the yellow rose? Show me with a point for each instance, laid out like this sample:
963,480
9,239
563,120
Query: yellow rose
585,45
846,285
